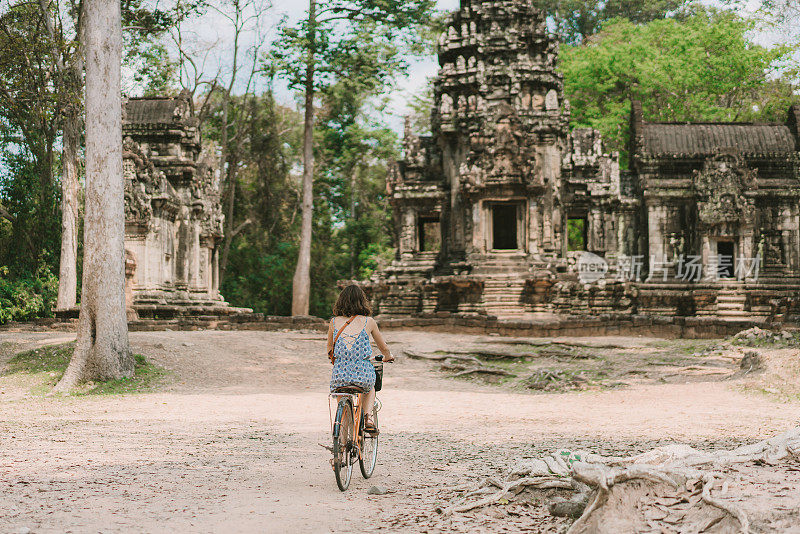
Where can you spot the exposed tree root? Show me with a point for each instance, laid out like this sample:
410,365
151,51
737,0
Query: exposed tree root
547,380
735,511
439,357
505,489
498,354
668,489
460,365
483,370
546,343
488,354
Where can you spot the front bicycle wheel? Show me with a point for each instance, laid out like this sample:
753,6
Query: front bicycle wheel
343,444
369,449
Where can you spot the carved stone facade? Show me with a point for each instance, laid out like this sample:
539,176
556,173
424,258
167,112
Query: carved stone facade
727,193
494,208
173,217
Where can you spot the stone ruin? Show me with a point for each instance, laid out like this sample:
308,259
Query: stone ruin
173,216
498,209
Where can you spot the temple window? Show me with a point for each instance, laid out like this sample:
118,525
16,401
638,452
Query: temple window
576,233
430,234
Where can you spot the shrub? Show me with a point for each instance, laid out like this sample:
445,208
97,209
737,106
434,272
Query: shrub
27,297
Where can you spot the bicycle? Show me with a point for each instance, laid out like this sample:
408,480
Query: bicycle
351,442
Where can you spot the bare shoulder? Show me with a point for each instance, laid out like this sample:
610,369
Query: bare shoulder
372,324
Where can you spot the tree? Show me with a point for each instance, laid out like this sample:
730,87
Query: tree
262,253
67,62
780,14
59,30
577,20
246,22
354,150
102,351
310,56
419,110
704,67
29,115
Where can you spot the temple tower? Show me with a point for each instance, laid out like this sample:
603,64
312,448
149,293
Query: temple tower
481,205
501,126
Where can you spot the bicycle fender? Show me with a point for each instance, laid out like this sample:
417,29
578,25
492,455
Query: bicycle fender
338,418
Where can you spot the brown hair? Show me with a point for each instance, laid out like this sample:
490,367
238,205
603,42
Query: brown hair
352,301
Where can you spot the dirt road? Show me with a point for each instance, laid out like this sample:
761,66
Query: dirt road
232,443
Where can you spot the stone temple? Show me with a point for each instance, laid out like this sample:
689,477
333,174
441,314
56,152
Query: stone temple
173,216
503,210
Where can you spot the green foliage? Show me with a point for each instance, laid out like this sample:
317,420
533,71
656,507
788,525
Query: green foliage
259,278
154,71
352,224
46,365
360,40
146,377
703,67
23,298
576,234
36,88
27,209
354,150
347,53
374,257
576,20
49,359
419,110
262,256
30,107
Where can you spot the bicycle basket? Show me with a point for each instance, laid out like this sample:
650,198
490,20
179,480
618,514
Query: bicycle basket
378,375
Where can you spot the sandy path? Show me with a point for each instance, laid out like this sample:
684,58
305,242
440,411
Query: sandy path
232,444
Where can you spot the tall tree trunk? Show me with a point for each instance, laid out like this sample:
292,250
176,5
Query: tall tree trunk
301,284
46,203
353,218
68,272
227,224
102,351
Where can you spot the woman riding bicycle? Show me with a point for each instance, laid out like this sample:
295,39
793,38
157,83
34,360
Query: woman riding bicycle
349,347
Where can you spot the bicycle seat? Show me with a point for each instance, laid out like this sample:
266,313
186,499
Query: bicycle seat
354,390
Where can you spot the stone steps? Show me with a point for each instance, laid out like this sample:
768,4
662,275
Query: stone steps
733,313
502,265
502,296
731,305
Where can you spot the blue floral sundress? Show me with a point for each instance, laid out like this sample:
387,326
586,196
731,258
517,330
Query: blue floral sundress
353,366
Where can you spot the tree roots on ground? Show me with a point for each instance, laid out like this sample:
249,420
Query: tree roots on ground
675,488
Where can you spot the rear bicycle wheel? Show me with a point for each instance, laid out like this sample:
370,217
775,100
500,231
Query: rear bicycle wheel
343,444
369,448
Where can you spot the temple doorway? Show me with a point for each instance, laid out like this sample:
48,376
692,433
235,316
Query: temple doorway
504,227
725,259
